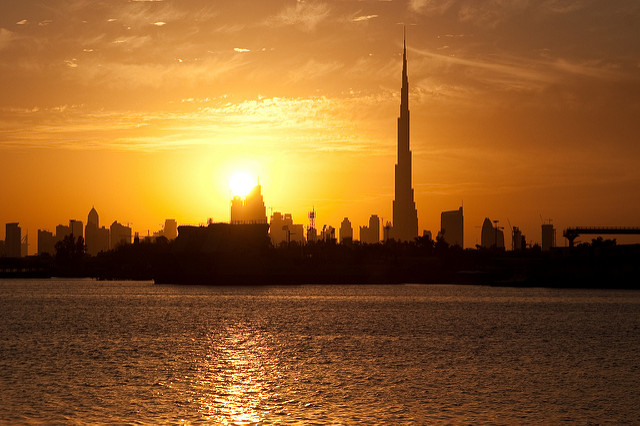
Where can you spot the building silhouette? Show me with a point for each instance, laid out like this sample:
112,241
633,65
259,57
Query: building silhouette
452,227
346,231
312,232
96,238
119,235
170,230
46,242
13,240
251,209
491,236
76,228
518,241
24,246
387,231
405,215
328,233
62,231
283,230
371,234
548,236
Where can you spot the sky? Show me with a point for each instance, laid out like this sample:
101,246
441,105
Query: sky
522,111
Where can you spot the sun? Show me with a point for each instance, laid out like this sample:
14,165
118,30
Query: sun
241,183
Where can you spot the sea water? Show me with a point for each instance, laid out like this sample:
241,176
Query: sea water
87,351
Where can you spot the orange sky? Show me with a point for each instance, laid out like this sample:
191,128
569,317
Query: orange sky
144,109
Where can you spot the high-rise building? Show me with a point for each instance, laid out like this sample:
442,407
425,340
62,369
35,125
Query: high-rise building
46,242
96,238
251,209
548,236
346,231
518,241
119,234
492,236
283,230
452,227
76,228
371,234
93,218
62,231
328,234
24,246
170,230
405,215
13,240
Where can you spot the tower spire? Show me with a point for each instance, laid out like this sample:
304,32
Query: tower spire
404,94
405,215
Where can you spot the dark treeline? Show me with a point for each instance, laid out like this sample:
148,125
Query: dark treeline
222,254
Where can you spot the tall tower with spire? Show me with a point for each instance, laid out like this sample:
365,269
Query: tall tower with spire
405,215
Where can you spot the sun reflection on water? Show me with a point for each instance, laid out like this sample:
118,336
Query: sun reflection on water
237,379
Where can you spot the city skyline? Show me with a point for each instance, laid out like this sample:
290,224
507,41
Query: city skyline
146,109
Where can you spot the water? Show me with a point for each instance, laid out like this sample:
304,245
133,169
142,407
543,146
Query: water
85,351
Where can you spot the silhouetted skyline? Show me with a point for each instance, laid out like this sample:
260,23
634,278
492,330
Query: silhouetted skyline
146,108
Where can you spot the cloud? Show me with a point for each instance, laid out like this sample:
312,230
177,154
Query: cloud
159,23
431,7
364,18
23,22
239,49
6,37
491,13
309,124
305,15
561,6
313,69
521,73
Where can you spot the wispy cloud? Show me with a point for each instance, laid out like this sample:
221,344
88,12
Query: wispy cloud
313,69
315,124
431,7
306,15
526,69
362,18
6,37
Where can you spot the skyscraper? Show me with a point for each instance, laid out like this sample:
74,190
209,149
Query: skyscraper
346,231
405,215
95,238
548,236
119,235
13,239
452,227
251,209
491,236
371,234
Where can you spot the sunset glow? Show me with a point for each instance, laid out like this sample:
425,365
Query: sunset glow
241,183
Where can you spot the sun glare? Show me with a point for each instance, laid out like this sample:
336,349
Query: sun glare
241,183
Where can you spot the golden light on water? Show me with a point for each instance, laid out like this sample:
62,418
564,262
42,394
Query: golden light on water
238,379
